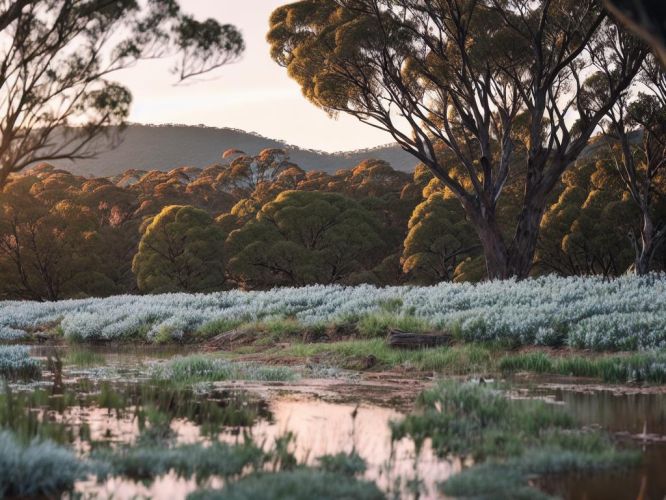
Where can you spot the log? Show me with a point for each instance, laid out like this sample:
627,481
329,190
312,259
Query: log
404,340
227,340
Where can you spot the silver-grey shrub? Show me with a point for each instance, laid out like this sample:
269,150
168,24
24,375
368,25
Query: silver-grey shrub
586,312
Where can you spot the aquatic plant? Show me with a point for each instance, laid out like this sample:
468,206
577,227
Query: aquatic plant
36,469
201,368
16,363
299,484
201,462
584,312
640,367
509,440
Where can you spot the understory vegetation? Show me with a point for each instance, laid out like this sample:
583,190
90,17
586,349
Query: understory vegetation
16,363
510,441
625,314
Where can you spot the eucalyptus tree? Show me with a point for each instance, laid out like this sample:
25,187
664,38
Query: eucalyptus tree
480,91
637,130
56,58
646,18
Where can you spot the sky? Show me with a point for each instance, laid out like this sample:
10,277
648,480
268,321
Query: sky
254,94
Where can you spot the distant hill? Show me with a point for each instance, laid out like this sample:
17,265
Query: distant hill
164,147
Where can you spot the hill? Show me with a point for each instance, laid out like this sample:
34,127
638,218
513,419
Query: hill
164,147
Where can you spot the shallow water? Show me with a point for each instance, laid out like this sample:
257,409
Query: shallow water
112,402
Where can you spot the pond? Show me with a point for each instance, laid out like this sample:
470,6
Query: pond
89,399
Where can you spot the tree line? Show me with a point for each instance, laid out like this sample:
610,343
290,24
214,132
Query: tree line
260,221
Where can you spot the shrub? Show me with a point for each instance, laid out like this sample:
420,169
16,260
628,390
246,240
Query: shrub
38,469
16,363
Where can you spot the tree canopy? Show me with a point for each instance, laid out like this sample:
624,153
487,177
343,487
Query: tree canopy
181,250
479,91
56,98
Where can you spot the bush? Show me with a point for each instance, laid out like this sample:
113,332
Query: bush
16,363
39,469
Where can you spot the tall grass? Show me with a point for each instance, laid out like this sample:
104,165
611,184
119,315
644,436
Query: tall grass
201,368
642,367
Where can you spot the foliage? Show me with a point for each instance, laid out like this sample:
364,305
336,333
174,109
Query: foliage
303,238
648,367
511,441
36,469
187,461
16,363
198,368
181,250
300,484
590,313
439,239
59,101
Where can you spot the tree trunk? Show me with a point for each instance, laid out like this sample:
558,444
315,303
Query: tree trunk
648,246
523,247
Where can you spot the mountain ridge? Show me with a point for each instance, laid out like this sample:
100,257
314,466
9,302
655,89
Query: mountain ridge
167,146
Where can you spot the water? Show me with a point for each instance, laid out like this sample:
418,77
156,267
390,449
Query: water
113,402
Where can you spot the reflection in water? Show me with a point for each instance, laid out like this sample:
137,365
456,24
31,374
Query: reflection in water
103,399
634,418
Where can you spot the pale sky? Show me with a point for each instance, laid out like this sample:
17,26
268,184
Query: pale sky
254,94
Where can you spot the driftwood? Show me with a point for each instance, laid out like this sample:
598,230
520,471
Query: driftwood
404,340
227,340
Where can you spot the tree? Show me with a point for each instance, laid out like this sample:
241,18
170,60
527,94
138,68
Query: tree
181,250
491,88
439,239
585,231
646,18
642,164
304,238
56,101
47,240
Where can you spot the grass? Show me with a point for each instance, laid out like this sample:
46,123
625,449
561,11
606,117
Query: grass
641,367
146,463
509,441
380,323
216,327
461,359
299,484
201,368
16,363
84,358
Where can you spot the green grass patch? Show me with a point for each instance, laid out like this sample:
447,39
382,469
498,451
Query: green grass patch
84,358
463,359
641,367
201,368
380,323
216,327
